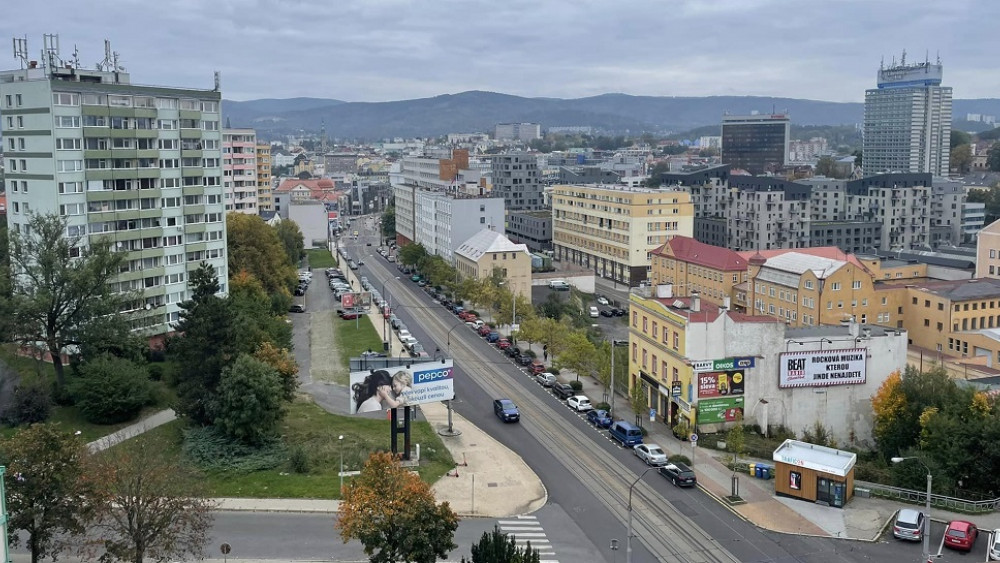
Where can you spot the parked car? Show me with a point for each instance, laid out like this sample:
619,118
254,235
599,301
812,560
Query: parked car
961,534
525,360
503,344
909,525
607,313
484,330
650,453
352,264
299,291
579,403
513,351
619,312
297,308
350,315
537,366
393,321
625,433
594,312
562,390
546,379
477,324
403,334
506,410
602,300
493,337
679,474
457,309
415,278
599,418
409,342
994,553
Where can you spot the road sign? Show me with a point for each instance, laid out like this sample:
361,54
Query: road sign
652,415
694,438
225,548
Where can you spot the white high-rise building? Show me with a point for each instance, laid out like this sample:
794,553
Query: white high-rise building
139,164
239,170
907,121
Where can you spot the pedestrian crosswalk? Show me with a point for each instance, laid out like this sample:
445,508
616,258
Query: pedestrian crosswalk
527,529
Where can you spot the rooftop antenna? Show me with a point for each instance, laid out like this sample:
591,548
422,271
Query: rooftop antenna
76,57
106,63
218,81
881,63
50,51
939,58
21,50
902,61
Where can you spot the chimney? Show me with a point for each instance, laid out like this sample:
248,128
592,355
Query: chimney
695,302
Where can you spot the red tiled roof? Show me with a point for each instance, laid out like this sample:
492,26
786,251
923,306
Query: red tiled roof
687,249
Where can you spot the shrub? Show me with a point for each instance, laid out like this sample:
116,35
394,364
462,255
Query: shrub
679,458
602,406
30,403
210,449
554,370
298,460
250,401
576,385
111,390
155,372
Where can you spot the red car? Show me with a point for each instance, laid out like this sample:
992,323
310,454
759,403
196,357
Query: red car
961,535
467,316
484,330
503,344
537,366
349,315
386,312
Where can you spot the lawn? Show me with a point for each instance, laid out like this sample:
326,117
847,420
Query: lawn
311,428
353,338
320,258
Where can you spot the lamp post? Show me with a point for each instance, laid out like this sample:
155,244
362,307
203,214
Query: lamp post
628,537
340,439
615,344
927,515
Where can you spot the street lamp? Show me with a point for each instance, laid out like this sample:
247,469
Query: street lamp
341,441
927,515
628,538
615,344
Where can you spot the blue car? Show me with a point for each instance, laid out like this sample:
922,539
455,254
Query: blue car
493,337
506,410
599,418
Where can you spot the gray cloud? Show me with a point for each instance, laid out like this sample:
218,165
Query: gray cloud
378,50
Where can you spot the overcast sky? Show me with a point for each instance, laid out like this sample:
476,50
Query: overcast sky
379,50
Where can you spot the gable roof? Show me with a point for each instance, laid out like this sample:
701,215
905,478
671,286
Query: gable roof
693,251
487,241
799,263
831,252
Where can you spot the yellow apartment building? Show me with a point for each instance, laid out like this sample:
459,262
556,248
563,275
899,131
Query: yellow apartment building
613,230
264,200
487,251
689,265
988,251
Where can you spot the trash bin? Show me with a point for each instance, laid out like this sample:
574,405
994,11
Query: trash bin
766,473
753,469
760,471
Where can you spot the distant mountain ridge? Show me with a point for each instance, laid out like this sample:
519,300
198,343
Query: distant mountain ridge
478,111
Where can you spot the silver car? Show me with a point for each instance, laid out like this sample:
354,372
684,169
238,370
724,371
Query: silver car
651,454
909,525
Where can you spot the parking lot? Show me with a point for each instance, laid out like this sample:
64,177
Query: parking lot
612,327
980,550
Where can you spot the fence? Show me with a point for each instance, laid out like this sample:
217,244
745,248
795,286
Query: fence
863,489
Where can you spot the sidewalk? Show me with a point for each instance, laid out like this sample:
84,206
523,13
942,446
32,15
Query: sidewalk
131,431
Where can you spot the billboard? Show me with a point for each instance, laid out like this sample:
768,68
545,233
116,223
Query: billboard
727,364
822,368
720,384
356,301
729,409
384,389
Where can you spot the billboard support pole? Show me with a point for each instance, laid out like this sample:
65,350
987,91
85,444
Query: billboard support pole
406,433
393,432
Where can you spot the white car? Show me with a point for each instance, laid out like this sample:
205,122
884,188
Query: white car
594,312
995,546
579,403
602,300
546,379
651,454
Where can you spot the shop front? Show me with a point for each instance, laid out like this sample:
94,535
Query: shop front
814,473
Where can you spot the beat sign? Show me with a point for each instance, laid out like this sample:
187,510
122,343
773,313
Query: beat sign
796,366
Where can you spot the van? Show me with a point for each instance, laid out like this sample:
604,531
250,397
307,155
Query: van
628,434
559,285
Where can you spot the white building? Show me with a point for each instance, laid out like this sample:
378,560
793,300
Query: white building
239,170
518,131
444,221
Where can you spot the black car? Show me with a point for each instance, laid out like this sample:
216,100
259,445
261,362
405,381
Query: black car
299,291
513,351
525,360
562,390
679,474
297,309
506,410
607,313
619,312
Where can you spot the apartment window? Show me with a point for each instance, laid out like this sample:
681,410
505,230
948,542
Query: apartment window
10,143
829,305
656,330
635,319
10,101
18,99
885,301
69,165
645,324
856,284
65,99
835,286
71,209
20,122
71,187
677,340
68,144
635,351
809,283
67,121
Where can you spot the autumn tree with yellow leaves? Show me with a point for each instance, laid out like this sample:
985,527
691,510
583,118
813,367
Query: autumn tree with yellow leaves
394,515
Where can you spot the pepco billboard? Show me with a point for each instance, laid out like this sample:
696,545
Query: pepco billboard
380,390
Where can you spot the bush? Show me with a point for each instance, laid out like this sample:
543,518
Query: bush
250,401
210,449
111,390
554,370
155,372
298,460
679,458
30,403
602,406
576,385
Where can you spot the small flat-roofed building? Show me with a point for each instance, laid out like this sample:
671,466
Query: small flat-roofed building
814,473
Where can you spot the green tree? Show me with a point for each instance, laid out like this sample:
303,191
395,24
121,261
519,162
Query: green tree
603,373
578,354
500,547
826,166
255,321
961,158
389,223
111,390
204,345
411,254
959,138
857,158
638,400
249,401
393,513
993,157
147,504
736,441
555,335
45,481
255,247
292,240
61,285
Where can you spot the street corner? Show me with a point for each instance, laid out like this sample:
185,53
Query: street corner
774,516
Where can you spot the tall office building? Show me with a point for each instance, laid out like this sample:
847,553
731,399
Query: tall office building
907,121
755,143
239,170
518,180
138,164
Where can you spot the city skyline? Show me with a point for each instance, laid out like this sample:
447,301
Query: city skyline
395,50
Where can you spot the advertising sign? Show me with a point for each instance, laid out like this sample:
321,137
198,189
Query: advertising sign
729,409
675,388
720,384
822,368
383,389
726,364
356,301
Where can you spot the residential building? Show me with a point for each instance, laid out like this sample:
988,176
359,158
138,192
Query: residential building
488,251
973,221
293,190
768,213
524,132
988,251
685,265
444,221
954,318
142,165
907,124
264,200
705,368
756,143
517,180
533,228
807,151
614,229
239,170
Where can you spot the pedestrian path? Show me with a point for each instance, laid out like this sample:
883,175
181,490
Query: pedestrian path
527,530
133,430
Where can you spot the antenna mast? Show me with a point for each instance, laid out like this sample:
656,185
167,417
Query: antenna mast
21,50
